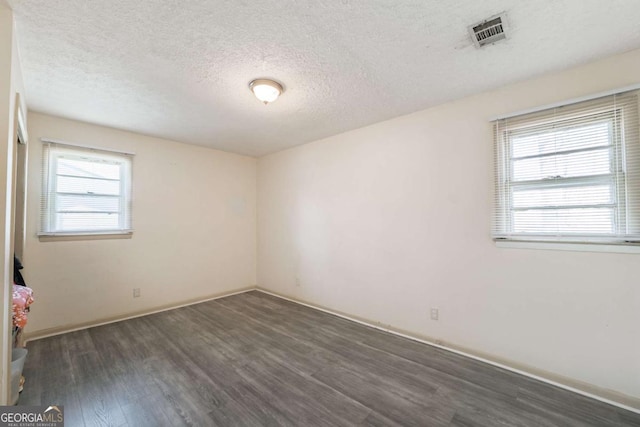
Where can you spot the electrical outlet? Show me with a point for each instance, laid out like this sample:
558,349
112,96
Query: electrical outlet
297,281
434,313
136,292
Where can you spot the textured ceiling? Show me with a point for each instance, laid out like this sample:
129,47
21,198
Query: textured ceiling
179,69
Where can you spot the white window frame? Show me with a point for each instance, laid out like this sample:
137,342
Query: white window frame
626,230
52,152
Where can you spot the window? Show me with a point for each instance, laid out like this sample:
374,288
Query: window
570,174
85,191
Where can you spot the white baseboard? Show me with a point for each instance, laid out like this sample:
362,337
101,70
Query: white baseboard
59,330
466,352
502,364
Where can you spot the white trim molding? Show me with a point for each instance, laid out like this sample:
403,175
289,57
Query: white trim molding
59,330
567,102
576,247
561,382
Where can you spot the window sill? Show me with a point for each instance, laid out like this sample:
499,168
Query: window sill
64,237
576,247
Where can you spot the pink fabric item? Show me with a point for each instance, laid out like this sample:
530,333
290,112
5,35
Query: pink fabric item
22,299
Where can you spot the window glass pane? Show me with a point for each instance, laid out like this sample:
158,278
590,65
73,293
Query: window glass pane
68,184
564,196
71,203
570,173
87,221
90,190
585,163
90,169
563,139
586,221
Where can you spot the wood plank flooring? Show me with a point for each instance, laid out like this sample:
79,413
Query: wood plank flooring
256,360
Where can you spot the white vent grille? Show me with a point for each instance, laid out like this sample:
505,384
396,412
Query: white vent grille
489,31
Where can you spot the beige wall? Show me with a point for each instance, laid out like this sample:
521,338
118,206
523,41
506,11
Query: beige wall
389,220
194,217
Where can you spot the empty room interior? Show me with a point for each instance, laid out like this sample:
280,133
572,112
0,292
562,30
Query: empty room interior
320,213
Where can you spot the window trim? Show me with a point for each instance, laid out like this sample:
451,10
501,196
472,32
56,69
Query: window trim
48,211
566,102
620,248
616,115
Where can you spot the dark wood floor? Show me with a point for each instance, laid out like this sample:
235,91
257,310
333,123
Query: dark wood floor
252,359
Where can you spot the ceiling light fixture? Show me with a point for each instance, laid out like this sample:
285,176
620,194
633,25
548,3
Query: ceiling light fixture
266,90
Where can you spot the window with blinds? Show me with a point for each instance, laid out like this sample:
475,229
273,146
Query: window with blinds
85,191
570,174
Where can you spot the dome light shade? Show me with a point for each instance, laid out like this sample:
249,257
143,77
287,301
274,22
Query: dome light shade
266,90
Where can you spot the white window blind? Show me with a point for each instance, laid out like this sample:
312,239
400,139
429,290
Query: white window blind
85,191
570,174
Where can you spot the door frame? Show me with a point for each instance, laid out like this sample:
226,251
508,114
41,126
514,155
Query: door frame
19,132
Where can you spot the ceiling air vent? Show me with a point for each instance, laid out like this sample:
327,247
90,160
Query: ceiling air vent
489,31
